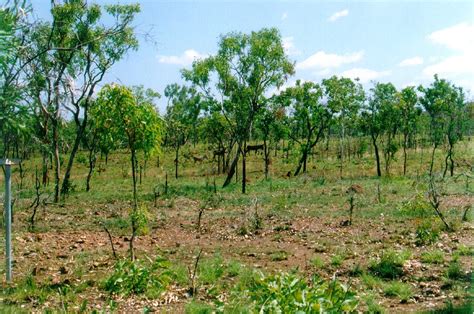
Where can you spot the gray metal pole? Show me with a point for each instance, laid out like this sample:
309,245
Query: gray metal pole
8,222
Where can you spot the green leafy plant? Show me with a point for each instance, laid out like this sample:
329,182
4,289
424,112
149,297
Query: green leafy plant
426,234
389,266
417,207
398,289
433,257
288,293
134,277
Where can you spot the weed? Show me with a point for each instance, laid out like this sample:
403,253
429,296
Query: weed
317,262
464,250
398,289
389,266
454,270
433,257
195,307
426,234
370,281
279,256
210,270
133,277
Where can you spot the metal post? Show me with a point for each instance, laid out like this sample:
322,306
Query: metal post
8,222
8,216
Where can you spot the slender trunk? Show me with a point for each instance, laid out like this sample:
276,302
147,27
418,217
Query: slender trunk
451,167
244,172
432,160
75,148
92,160
377,156
232,168
301,162
57,162
176,162
266,152
405,139
135,204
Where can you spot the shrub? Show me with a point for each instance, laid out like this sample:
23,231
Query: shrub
398,289
426,234
417,207
288,293
390,265
433,257
133,277
454,270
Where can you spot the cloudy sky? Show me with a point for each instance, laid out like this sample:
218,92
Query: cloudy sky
404,42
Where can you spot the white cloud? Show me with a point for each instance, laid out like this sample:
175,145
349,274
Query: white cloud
323,72
338,15
284,16
364,75
460,39
322,59
289,46
451,66
186,58
411,62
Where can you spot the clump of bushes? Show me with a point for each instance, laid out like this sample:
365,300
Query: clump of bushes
389,266
289,293
417,207
135,277
426,234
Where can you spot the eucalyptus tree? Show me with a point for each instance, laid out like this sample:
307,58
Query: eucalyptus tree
381,120
237,78
123,115
77,48
218,134
309,120
410,116
182,113
269,124
344,99
446,106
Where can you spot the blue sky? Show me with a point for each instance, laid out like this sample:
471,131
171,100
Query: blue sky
404,42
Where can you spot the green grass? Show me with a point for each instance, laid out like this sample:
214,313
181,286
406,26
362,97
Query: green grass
433,257
398,289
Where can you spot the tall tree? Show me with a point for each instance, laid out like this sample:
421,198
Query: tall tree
237,79
124,115
446,106
344,99
310,118
410,115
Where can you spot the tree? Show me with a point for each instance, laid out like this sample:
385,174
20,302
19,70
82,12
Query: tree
410,115
237,78
269,124
344,99
126,116
182,112
446,107
219,135
381,118
310,118
76,50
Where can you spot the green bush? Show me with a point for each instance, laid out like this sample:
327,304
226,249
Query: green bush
426,234
136,278
398,289
288,293
418,207
433,257
390,265
454,270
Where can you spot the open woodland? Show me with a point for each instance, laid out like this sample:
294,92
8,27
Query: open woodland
244,196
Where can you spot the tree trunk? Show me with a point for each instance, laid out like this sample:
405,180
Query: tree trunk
432,160
92,160
75,148
302,162
176,162
266,152
405,143
232,168
57,162
244,174
135,204
377,156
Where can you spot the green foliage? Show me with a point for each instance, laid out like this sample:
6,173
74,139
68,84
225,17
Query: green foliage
465,250
398,289
135,277
389,266
139,218
454,270
210,270
426,234
417,207
433,257
288,293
